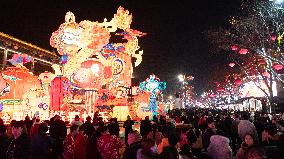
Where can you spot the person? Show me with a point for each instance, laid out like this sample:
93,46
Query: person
185,152
108,145
88,127
246,127
197,146
76,121
69,143
234,137
42,145
58,131
163,143
113,127
219,147
127,125
3,141
210,131
148,150
134,143
34,128
145,127
255,152
248,141
19,148
155,134
80,144
202,123
28,124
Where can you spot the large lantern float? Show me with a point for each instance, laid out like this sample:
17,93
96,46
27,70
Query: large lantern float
97,69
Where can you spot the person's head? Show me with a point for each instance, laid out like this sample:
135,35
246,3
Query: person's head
43,128
18,128
128,117
2,129
56,117
249,139
133,137
147,146
104,129
77,118
88,119
146,117
211,123
174,138
273,120
74,129
27,118
154,127
255,152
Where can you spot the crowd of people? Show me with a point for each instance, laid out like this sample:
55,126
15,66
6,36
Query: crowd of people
201,134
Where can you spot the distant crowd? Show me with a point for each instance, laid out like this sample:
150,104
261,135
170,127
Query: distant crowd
193,133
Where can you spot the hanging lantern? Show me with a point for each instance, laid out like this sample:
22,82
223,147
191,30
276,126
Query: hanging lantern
278,67
232,64
238,82
273,37
234,48
243,51
266,74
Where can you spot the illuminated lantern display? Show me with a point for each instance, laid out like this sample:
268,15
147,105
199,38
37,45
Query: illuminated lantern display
20,81
231,64
243,51
278,67
100,72
153,86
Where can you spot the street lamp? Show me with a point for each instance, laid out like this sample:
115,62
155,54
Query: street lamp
181,78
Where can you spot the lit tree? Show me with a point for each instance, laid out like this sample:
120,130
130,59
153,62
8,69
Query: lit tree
254,39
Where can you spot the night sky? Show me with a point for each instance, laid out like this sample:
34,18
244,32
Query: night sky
175,42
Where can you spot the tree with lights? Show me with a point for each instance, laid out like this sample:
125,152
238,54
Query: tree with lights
254,43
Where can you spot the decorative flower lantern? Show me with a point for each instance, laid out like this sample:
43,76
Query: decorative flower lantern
231,64
243,51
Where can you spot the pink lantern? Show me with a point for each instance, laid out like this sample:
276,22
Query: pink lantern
234,48
273,37
213,95
266,74
232,64
243,51
278,67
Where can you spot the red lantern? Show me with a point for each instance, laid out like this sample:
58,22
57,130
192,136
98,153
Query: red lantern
278,67
234,48
231,64
243,51
238,82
